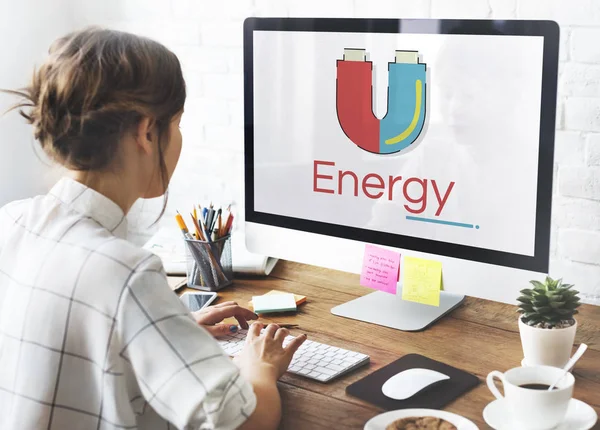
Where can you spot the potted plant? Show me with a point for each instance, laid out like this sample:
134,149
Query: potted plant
547,324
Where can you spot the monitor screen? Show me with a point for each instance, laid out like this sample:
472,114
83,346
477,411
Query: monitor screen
429,140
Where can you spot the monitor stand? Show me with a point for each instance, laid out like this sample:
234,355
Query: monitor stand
391,311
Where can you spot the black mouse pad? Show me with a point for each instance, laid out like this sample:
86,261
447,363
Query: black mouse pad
435,396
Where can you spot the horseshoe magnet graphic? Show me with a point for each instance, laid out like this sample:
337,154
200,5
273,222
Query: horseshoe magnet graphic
405,116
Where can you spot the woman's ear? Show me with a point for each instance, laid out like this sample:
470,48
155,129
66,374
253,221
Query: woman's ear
146,135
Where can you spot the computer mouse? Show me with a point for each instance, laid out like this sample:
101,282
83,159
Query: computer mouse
409,382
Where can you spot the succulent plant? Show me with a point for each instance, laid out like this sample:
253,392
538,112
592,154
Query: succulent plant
551,304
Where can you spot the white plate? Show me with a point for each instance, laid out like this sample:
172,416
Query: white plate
381,421
580,416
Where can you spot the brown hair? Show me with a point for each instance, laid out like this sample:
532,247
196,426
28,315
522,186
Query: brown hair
96,85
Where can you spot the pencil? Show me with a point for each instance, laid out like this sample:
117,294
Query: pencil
219,223
224,229
197,227
229,224
187,236
182,226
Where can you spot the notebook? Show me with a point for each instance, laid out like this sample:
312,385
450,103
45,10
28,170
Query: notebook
435,397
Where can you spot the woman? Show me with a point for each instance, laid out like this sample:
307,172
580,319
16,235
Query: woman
91,336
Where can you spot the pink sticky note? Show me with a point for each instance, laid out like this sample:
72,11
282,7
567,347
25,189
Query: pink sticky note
380,269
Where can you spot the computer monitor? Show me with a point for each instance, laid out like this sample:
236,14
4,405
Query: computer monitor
431,137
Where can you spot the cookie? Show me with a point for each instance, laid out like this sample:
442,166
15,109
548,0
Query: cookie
421,423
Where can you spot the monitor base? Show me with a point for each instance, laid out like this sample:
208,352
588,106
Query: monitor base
391,311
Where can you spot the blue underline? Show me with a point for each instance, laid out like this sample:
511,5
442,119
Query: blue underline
439,221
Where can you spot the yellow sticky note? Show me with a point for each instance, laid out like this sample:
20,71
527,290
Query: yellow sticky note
422,280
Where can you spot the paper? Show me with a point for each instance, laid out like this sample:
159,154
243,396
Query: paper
168,244
422,281
298,298
274,303
380,269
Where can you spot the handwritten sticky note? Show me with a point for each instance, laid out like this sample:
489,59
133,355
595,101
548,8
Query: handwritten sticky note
421,281
380,269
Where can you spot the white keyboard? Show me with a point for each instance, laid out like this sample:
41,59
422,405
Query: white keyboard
313,360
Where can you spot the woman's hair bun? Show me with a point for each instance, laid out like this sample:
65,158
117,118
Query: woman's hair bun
95,85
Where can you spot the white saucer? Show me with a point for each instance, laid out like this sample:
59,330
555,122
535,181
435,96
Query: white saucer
381,421
524,364
580,416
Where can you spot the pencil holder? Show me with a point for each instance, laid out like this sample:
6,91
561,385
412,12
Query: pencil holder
208,264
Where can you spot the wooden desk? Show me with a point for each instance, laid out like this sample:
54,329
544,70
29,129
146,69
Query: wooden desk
479,337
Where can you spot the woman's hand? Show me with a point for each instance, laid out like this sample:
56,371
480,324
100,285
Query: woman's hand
263,355
210,318
262,361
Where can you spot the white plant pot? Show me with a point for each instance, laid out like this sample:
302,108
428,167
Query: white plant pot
547,347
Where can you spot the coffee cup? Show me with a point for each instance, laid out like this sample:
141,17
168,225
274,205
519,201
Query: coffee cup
526,397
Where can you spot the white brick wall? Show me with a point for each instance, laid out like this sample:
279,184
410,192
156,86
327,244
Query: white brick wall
579,182
593,150
582,113
579,79
207,35
392,8
503,8
460,9
565,12
569,148
579,246
584,45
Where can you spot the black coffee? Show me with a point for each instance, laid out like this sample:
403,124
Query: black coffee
536,386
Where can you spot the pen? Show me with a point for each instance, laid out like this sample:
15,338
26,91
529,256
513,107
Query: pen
287,325
202,213
284,325
204,230
209,218
217,221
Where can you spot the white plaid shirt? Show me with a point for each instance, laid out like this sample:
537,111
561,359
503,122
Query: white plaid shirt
91,336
